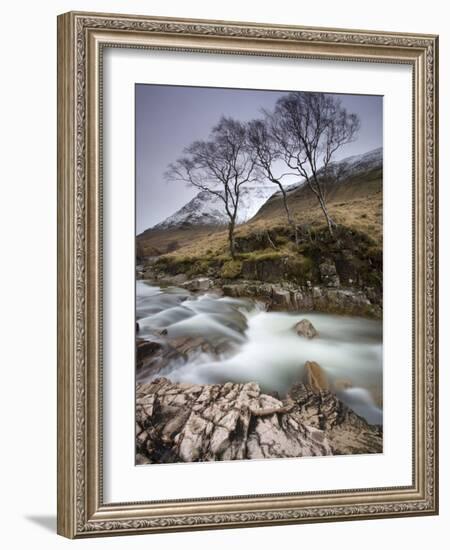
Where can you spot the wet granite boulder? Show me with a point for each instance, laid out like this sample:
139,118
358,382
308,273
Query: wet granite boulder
306,329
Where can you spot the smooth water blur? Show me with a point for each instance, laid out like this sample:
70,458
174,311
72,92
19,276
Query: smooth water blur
265,347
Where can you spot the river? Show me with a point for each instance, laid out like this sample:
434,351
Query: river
262,346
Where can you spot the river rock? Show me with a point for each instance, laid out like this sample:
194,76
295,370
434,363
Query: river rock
188,345
153,357
302,299
181,422
145,351
235,290
316,377
175,280
340,300
305,328
281,298
249,289
202,283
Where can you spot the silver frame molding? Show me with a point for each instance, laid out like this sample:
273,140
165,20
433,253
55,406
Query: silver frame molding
81,39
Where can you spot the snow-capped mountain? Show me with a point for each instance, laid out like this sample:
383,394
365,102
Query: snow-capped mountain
340,170
208,209
358,163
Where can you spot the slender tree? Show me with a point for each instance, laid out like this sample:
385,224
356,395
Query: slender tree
268,154
309,128
220,166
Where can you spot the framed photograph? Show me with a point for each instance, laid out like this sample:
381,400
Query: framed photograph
247,287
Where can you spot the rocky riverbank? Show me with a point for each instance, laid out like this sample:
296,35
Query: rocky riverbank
181,422
289,297
341,275
332,275
283,296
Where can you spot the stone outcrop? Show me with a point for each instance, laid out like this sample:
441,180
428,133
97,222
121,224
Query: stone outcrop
346,432
288,297
178,422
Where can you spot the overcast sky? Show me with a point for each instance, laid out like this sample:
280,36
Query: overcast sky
168,118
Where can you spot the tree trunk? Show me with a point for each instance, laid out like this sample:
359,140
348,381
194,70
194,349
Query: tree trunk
231,239
331,224
291,222
316,189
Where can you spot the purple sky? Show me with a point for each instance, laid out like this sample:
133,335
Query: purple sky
168,118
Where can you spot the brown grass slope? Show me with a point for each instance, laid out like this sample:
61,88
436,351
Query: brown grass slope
355,202
155,242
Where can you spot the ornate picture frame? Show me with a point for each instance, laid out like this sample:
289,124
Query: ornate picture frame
82,39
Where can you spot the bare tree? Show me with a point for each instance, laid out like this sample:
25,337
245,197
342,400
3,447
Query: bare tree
309,128
268,154
220,166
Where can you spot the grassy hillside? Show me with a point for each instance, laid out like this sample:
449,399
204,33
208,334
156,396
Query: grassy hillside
355,203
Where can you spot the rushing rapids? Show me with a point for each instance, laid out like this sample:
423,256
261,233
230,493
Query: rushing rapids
236,340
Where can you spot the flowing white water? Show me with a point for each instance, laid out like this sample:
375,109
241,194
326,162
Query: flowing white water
265,348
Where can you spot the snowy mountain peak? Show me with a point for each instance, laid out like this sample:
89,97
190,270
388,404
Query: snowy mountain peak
208,209
366,161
